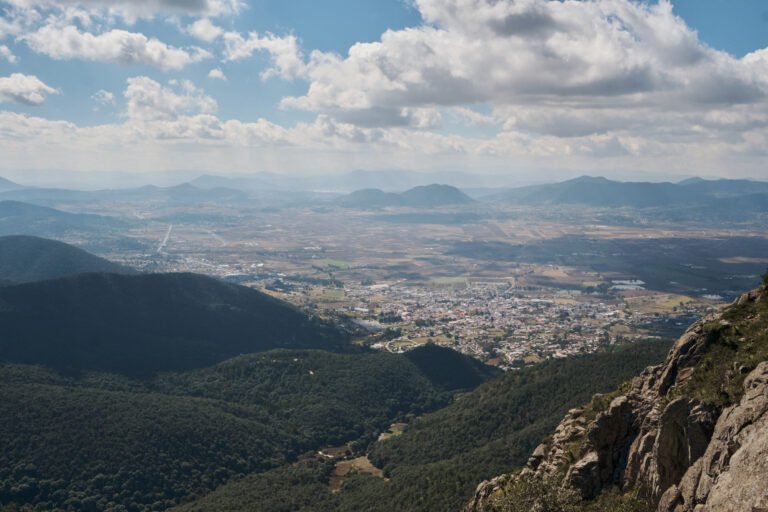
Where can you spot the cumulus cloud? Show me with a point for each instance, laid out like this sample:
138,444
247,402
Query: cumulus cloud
24,89
121,46
7,55
217,74
204,30
149,100
605,58
287,60
599,84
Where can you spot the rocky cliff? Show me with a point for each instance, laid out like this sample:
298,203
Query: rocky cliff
688,435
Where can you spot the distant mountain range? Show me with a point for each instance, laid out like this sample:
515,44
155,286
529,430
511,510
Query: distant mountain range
6,185
185,193
28,258
602,192
693,199
389,181
418,197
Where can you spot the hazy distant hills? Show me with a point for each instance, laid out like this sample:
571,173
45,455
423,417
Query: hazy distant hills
146,323
18,218
602,192
185,193
28,258
390,180
418,197
6,184
724,188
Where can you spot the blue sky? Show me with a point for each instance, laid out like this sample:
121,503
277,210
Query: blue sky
301,86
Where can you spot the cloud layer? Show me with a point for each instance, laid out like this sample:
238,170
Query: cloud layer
491,84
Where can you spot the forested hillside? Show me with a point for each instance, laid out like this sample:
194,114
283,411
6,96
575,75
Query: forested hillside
147,323
101,441
29,258
439,460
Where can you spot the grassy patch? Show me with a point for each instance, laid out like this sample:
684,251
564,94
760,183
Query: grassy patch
337,264
737,348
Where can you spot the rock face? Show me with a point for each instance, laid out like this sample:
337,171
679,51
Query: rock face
668,448
733,472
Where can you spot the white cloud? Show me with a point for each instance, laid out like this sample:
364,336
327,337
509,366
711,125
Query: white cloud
104,98
217,73
533,60
150,101
204,30
24,89
7,55
287,60
598,85
168,128
130,10
120,46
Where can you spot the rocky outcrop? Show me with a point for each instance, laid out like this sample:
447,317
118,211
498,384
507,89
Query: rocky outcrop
665,446
732,474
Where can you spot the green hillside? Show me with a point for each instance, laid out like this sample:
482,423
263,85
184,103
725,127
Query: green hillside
439,460
107,442
147,323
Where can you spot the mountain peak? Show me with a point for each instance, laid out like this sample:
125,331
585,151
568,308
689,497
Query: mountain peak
422,196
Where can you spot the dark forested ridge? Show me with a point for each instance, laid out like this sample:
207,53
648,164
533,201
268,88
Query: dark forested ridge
109,442
449,369
146,323
29,258
439,460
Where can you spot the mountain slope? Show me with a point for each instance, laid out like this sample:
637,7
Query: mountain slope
370,198
442,456
102,441
602,192
28,258
692,200
147,323
6,184
435,195
689,434
17,218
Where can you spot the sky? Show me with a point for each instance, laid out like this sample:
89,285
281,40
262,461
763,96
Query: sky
520,88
